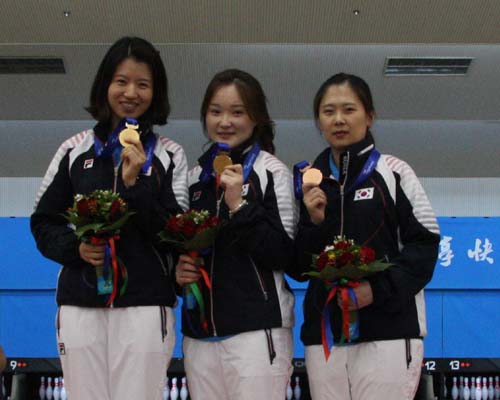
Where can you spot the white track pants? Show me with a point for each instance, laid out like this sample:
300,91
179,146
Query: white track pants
239,367
366,371
115,353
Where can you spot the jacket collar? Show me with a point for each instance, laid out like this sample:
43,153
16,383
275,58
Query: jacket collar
237,154
352,159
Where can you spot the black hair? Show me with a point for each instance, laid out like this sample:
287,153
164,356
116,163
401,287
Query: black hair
253,98
141,51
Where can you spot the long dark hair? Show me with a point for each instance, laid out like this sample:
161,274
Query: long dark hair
253,98
141,51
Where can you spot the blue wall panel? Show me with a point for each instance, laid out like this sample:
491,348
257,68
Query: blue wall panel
21,265
433,342
27,323
461,323
469,254
471,324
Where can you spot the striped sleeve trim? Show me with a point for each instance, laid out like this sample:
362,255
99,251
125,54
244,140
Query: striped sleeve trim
283,188
179,173
415,193
69,144
194,175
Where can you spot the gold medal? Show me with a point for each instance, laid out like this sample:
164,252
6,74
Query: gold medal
129,135
312,176
221,161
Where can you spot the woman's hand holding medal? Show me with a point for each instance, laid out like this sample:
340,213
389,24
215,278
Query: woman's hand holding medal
314,197
133,156
230,178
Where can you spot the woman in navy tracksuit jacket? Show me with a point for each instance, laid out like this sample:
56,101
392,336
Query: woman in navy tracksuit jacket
120,351
244,348
377,201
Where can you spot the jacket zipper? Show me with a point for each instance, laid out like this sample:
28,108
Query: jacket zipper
165,270
341,210
342,193
115,180
212,320
261,281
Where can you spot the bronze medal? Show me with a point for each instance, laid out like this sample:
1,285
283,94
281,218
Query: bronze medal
129,135
221,161
312,176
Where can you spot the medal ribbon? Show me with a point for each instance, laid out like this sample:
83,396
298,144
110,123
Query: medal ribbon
207,169
297,178
250,160
345,288
368,168
149,148
113,141
113,147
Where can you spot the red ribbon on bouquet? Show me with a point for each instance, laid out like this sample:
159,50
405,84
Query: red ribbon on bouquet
345,288
116,264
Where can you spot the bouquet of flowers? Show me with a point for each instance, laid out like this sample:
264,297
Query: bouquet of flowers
193,232
97,218
341,266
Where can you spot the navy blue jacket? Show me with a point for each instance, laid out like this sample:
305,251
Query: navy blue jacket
160,192
251,252
397,221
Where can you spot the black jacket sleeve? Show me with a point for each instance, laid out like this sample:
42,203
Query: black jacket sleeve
154,205
311,239
53,237
265,230
418,242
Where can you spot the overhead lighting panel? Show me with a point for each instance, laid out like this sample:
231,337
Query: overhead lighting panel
31,65
411,66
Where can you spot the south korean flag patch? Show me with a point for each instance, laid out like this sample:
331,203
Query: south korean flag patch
196,196
363,194
244,189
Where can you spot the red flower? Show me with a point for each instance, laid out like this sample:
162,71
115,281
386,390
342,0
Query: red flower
346,258
367,255
173,225
83,208
92,205
322,261
115,210
189,228
342,245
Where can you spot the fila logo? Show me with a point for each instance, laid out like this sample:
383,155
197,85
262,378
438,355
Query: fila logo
363,194
88,163
196,195
244,189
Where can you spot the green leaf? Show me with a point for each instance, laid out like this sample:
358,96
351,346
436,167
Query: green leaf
350,271
94,228
118,223
202,240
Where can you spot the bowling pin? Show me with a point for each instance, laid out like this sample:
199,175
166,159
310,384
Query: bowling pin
296,390
41,390
174,392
